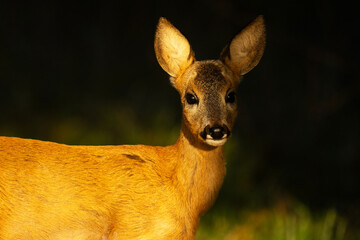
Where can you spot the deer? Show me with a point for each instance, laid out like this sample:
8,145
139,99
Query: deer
55,191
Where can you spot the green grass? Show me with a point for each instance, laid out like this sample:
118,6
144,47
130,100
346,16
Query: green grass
285,221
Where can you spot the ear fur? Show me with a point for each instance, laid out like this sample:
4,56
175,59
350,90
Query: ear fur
172,49
246,48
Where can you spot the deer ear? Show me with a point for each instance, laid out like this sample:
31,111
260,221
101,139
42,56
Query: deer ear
246,48
172,49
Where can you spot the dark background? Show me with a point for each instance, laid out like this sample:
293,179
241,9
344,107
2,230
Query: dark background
86,73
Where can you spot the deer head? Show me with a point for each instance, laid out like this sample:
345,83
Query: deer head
208,88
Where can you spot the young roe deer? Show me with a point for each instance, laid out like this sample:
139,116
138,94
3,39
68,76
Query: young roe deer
55,191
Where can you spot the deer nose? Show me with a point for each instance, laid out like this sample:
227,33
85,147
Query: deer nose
216,132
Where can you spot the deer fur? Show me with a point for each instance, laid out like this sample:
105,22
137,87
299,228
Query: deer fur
56,191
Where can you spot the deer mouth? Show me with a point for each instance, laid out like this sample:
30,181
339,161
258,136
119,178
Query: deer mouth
216,142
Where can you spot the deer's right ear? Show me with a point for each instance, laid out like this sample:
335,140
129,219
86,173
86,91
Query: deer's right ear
172,49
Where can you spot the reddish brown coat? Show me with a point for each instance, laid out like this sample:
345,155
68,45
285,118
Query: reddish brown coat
55,191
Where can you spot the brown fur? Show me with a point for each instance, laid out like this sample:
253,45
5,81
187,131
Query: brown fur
55,191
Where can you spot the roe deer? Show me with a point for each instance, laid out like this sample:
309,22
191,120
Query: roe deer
55,191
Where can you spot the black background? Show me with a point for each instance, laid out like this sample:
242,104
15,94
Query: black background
299,108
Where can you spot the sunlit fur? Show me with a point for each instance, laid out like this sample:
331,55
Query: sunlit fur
55,191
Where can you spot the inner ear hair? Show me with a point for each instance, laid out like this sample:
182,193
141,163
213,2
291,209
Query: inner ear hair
246,48
172,49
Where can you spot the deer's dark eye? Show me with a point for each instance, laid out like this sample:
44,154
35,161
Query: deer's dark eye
191,99
230,98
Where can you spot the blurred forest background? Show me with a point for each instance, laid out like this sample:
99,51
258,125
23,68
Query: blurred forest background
85,72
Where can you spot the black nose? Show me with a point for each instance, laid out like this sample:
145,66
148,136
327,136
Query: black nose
216,132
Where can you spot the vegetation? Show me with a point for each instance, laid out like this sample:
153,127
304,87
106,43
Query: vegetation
287,220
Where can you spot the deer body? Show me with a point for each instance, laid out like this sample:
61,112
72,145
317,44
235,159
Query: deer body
56,191
93,192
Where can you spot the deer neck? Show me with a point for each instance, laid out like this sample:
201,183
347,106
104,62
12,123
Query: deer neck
200,171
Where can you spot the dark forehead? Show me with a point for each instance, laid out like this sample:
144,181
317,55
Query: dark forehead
209,75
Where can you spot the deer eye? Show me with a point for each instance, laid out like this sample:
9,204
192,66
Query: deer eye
230,98
191,99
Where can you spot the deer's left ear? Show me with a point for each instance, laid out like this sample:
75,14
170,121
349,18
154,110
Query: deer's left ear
172,49
245,49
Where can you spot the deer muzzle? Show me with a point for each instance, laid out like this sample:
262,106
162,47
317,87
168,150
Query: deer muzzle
215,135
